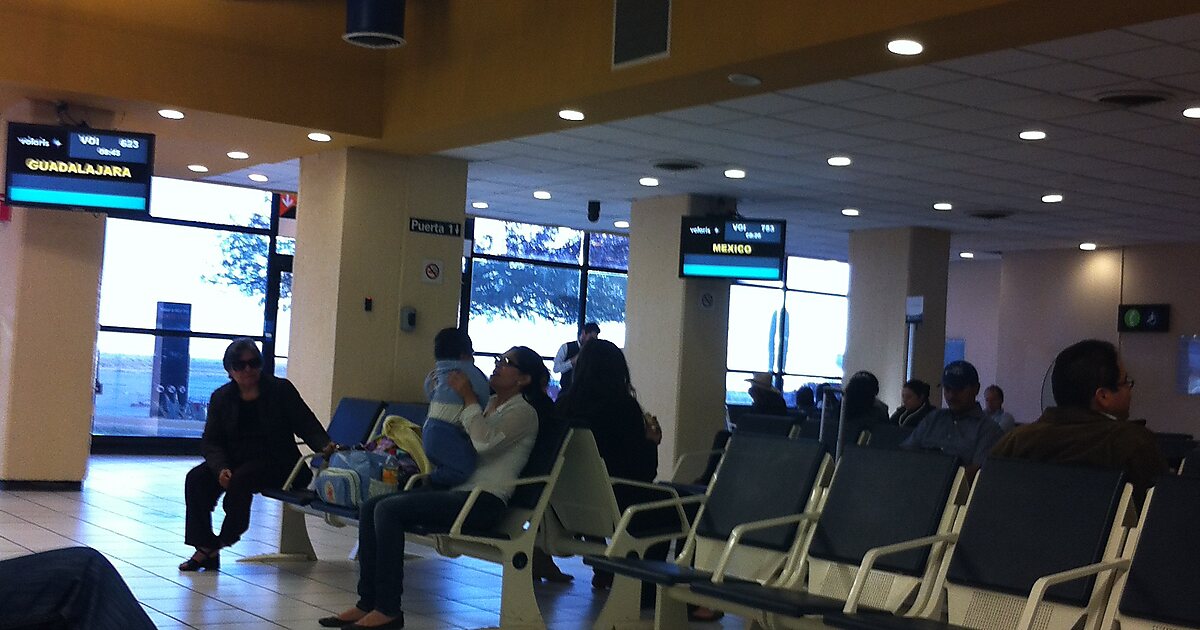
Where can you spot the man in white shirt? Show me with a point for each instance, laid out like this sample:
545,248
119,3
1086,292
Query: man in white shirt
568,353
993,399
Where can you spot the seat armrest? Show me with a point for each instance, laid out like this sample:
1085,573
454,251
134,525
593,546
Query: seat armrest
873,555
304,459
1039,587
647,485
683,457
414,480
739,531
677,502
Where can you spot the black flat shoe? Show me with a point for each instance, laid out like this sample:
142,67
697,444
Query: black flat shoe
209,561
334,622
394,624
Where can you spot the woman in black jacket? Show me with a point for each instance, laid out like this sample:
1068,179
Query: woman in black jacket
248,445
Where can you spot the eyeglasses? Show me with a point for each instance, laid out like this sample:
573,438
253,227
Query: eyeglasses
1128,381
503,360
237,365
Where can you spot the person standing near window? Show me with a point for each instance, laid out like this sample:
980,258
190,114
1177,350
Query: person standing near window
248,445
568,354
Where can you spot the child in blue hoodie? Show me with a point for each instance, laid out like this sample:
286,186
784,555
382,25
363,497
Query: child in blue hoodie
446,443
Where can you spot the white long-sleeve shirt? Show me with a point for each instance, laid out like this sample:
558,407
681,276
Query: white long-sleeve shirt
503,436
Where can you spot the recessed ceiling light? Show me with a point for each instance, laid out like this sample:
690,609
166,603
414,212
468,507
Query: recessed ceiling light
171,114
967,255
1033,134
570,114
744,80
1052,198
1087,247
648,181
621,224
541,194
735,173
1192,112
197,168
238,155
258,177
906,47
943,206
850,212
479,205
317,136
839,160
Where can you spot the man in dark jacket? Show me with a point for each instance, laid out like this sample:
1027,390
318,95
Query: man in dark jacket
248,446
1089,425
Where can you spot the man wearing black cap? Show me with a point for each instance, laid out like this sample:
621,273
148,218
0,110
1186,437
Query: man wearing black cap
960,428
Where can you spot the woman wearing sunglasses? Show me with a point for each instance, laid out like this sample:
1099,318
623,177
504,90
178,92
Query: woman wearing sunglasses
249,445
503,430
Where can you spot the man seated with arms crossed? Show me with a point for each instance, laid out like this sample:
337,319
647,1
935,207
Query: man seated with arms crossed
960,428
1088,426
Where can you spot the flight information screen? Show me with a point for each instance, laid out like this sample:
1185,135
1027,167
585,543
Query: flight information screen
732,247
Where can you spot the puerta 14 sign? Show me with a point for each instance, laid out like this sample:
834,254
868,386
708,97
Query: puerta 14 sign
731,247
79,168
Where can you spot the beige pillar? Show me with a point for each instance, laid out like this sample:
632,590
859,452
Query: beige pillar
887,266
49,304
353,241
675,343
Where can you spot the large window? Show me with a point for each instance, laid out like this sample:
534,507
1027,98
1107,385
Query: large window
176,287
795,330
534,285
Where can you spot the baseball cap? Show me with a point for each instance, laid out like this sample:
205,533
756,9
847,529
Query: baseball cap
959,374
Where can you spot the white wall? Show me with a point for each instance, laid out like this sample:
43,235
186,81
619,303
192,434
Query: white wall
973,314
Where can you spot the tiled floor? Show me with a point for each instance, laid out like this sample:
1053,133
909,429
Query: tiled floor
131,509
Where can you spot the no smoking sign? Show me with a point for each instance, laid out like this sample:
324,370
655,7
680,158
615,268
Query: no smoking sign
431,271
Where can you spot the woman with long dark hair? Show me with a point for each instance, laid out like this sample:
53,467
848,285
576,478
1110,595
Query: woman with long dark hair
503,430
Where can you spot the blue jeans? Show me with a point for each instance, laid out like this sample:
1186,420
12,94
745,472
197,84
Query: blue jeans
76,587
381,526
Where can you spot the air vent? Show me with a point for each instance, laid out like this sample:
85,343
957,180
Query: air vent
992,215
675,166
1132,98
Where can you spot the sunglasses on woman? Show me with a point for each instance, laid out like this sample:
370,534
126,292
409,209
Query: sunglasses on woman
237,365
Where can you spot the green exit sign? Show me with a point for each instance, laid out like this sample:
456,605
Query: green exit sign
1144,317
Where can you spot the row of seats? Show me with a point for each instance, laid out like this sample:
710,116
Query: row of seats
894,541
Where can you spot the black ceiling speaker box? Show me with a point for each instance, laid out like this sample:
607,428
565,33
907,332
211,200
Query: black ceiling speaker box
375,23
593,211
641,31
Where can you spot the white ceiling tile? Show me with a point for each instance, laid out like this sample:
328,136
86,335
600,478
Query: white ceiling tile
966,119
904,79
834,92
1092,45
899,105
897,130
1189,82
976,92
766,104
834,140
1180,29
766,127
826,117
962,142
1110,121
992,63
1063,77
1151,63
1044,107
706,115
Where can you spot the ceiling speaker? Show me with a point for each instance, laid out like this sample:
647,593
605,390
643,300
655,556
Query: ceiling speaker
375,23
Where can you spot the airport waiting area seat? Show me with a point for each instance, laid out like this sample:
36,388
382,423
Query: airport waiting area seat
886,522
1039,547
886,435
1161,590
762,496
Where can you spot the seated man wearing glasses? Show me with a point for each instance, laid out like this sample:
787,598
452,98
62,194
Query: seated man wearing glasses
248,446
1089,425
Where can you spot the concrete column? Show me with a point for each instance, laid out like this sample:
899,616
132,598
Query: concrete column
887,266
49,305
353,242
677,330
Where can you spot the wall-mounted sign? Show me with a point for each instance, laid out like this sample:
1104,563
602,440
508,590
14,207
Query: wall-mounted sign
429,226
431,271
1144,317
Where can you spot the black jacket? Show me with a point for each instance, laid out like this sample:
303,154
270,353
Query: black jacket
282,415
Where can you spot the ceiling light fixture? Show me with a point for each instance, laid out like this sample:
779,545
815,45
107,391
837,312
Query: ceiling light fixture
197,168
1033,134
648,181
735,173
317,136
238,155
943,206
1087,247
621,224
839,160
258,177
541,194
171,114
1052,198
479,205
1191,112
573,115
905,47
850,212
744,80
967,255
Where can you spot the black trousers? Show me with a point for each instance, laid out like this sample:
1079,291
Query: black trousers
201,490
75,587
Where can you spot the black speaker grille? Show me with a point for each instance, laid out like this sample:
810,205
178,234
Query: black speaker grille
641,30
